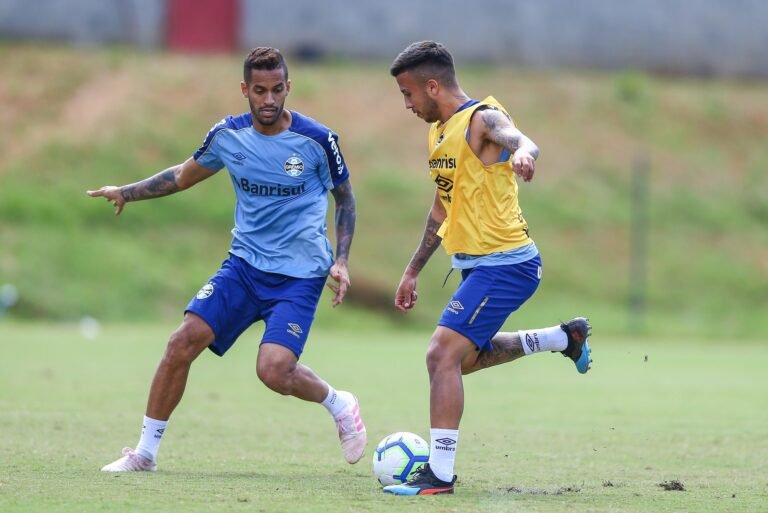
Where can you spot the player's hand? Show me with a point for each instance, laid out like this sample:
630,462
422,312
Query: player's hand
524,165
340,276
406,295
111,194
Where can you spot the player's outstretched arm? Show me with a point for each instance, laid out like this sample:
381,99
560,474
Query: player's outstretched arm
499,129
406,295
172,180
345,230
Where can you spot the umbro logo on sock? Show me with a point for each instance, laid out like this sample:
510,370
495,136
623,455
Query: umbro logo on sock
530,341
447,443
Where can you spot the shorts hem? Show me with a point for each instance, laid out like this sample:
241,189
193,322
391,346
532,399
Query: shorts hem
481,347
211,346
282,344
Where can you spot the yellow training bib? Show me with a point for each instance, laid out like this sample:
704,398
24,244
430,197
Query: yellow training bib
481,201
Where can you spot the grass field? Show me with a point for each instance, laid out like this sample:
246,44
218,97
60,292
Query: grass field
536,436
80,118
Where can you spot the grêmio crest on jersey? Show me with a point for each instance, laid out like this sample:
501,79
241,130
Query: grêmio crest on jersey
294,166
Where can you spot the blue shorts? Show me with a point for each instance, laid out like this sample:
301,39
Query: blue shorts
239,295
487,295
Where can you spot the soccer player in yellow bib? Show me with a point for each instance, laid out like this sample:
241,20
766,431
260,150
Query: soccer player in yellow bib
476,152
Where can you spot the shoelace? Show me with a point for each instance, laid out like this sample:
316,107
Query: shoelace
135,460
419,473
342,429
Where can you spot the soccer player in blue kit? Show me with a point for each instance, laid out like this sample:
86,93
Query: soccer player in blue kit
282,165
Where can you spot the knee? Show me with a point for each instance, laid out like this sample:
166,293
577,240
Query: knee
275,377
440,357
181,349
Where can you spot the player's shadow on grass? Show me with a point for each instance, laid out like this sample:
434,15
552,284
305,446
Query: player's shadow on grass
206,476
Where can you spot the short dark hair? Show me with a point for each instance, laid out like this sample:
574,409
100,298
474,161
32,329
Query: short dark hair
265,58
430,58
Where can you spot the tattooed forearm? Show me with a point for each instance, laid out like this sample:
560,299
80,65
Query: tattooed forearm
505,347
503,132
162,184
345,219
429,243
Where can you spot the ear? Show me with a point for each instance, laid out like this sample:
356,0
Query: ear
432,87
288,86
244,89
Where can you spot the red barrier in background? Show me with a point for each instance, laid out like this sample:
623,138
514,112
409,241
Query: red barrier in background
203,25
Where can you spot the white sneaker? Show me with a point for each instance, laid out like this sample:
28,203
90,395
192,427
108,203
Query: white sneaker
351,430
130,462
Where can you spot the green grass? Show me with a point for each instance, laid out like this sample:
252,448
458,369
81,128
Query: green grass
536,436
77,119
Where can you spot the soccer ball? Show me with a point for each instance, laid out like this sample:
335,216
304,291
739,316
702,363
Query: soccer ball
398,456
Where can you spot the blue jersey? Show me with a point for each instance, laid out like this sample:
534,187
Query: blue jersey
281,182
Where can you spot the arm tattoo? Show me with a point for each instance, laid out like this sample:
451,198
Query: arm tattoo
495,123
345,219
162,184
502,132
429,244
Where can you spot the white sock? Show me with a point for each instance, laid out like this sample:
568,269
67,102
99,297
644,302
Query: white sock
336,401
442,452
151,434
543,339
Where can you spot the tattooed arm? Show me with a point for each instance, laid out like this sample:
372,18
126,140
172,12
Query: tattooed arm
406,295
495,127
174,179
345,229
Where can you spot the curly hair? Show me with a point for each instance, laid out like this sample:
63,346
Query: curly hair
264,58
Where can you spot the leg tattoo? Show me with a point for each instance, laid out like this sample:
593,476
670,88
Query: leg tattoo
505,347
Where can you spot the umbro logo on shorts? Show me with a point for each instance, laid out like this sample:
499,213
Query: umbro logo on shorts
294,329
454,307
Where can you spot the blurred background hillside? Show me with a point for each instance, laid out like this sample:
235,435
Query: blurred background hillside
650,203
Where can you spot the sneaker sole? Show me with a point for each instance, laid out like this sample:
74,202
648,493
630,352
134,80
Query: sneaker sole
409,491
582,364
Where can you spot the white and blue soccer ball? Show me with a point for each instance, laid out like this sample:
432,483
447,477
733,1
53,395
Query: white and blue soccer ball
398,456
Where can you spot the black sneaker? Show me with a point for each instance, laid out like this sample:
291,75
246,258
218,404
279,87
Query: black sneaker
578,350
423,482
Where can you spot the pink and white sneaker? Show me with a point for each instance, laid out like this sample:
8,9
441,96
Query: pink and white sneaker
130,462
351,430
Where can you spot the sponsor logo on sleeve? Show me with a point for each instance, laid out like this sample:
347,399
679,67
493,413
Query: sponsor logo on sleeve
336,153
